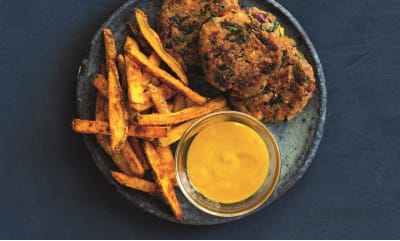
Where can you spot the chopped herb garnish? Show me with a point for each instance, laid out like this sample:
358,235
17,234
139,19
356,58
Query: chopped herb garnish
262,28
232,27
301,54
266,90
178,20
213,16
223,67
251,18
236,33
168,45
185,29
274,27
178,40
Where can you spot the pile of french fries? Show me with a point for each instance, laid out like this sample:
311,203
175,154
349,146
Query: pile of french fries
141,109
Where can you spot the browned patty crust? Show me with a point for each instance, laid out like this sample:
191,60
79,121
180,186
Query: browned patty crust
287,93
180,22
263,73
240,52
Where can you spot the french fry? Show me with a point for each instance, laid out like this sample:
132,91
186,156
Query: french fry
104,141
168,162
117,115
182,115
175,133
166,92
137,183
163,180
132,51
136,82
126,159
137,147
121,69
101,84
118,158
160,103
133,161
103,128
155,60
139,37
110,48
154,40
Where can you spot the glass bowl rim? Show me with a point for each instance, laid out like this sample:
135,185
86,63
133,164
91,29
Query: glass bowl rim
265,132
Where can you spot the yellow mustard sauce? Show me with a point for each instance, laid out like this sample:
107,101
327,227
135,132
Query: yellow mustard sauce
227,162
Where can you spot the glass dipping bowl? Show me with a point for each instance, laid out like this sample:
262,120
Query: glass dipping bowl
228,209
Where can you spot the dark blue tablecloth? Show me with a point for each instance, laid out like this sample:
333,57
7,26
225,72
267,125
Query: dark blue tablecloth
50,187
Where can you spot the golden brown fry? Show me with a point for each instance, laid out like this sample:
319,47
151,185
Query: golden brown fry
183,115
121,69
148,131
175,133
160,103
154,40
104,141
137,183
132,51
101,84
110,48
179,103
133,161
117,115
168,162
163,180
139,37
117,158
103,128
136,82
165,92
91,127
155,60
121,63
137,147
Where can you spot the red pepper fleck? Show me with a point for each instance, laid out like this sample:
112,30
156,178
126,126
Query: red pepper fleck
311,87
223,13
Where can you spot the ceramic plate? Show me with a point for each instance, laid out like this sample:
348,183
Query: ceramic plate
298,139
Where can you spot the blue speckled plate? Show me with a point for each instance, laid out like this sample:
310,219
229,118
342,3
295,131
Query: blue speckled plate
298,139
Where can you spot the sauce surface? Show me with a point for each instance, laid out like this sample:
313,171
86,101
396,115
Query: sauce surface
227,162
